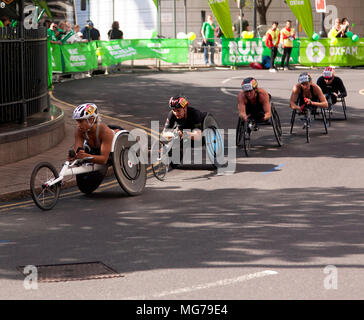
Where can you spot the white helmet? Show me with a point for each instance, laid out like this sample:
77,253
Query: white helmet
85,111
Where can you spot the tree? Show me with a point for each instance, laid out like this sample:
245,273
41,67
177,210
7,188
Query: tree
262,9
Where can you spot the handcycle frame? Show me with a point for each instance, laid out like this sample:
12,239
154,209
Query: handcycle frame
213,142
331,106
129,172
307,119
245,128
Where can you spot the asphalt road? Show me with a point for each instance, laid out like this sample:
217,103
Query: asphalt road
286,224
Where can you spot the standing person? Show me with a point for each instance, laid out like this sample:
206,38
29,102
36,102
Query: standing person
53,34
244,26
90,32
337,30
345,26
208,36
272,41
77,36
287,35
115,32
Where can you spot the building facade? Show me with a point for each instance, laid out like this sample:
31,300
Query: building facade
138,18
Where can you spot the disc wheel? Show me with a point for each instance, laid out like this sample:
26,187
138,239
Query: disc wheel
45,197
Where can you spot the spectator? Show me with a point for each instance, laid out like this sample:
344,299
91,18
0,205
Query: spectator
77,36
53,34
115,32
5,21
208,36
90,32
287,36
239,29
337,31
272,41
345,26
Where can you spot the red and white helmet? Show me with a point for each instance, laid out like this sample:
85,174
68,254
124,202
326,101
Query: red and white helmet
328,72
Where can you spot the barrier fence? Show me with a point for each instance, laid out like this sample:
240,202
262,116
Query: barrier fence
81,57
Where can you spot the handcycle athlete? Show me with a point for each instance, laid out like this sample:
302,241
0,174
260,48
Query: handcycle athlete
97,147
254,107
185,123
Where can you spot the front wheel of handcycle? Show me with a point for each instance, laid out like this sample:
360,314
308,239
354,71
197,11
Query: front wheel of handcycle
277,128
44,196
160,166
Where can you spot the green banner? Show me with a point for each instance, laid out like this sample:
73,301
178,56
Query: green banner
156,3
168,50
50,67
323,53
221,11
240,52
56,58
303,11
79,57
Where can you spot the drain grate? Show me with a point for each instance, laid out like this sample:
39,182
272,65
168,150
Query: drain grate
73,272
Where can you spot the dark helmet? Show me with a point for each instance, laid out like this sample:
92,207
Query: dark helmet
305,77
178,102
249,84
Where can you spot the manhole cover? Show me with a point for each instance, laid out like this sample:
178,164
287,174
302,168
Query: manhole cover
73,272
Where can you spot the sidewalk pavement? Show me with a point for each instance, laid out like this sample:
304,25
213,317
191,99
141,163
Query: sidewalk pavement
15,177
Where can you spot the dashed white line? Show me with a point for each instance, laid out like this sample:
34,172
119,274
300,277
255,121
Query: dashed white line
220,283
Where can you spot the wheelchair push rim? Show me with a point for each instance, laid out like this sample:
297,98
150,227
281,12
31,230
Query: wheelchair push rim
45,197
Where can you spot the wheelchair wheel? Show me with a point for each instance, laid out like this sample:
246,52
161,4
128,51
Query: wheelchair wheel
246,139
160,167
277,129
214,145
240,133
308,125
344,107
324,119
129,171
90,181
43,196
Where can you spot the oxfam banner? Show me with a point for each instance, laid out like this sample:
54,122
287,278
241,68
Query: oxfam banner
323,53
239,52
169,50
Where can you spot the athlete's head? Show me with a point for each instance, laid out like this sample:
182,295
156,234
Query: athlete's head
328,73
86,115
305,78
249,86
178,104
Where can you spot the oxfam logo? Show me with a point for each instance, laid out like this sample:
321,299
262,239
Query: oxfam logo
315,52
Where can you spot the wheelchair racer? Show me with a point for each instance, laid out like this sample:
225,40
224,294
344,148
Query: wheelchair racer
92,138
253,102
332,86
183,117
305,93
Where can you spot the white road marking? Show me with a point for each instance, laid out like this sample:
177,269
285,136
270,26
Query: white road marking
220,283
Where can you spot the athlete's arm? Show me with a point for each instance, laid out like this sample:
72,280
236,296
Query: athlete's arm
242,106
293,100
264,99
318,92
106,137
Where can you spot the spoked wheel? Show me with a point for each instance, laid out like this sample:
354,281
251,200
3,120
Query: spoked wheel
324,119
44,196
160,166
240,133
276,123
246,139
308,125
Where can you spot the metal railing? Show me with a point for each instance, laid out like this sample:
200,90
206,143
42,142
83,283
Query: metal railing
23,73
